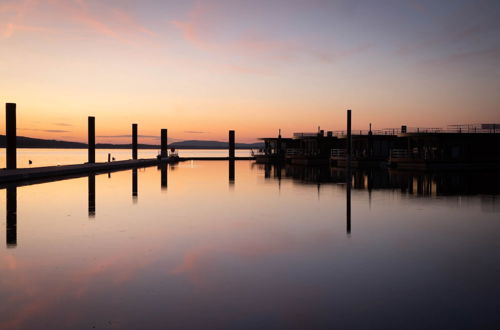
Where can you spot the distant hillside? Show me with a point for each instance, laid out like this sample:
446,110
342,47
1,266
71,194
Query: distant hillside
26,142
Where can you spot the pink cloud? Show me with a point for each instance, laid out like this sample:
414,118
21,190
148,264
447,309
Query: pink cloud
202,25
96,17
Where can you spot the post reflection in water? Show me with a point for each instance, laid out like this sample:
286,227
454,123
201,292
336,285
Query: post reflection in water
91,195
231,172
164,175
11,230
134,185
348,201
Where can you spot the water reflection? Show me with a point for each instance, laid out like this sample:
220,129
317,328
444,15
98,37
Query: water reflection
11,230
412,183
231,172
91,190
348,183
164,175
252,257
134,185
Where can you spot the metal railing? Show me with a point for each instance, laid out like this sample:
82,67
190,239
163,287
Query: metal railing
304,134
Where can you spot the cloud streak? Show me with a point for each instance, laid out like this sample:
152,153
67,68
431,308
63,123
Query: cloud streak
45,130
93,16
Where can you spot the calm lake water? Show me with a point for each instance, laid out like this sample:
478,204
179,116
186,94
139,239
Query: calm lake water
201,245
50,157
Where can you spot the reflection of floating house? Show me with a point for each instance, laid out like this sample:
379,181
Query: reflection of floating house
461,147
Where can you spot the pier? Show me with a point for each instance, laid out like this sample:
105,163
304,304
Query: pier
12,174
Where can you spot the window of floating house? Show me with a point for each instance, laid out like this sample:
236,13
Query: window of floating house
455,152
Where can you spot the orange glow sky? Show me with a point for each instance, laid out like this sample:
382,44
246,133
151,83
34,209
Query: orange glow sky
200,68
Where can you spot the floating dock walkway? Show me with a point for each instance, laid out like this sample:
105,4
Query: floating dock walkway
49,173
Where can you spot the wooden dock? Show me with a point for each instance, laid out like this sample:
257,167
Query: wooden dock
50,173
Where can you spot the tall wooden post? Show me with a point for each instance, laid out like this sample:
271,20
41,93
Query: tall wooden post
134,141
10,131
231,144
348,174
349,139
91,138
164,143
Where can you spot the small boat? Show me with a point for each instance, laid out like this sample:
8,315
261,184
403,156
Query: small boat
173,157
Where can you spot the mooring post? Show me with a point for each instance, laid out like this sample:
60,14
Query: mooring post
348,174
349,139
11,230
10,132
109,157
231,144
164,143
91,138
134,141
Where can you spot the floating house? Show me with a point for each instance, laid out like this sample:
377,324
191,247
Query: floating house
311,148
458,147
368,150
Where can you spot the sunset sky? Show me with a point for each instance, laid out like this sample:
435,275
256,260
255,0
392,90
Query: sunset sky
200,68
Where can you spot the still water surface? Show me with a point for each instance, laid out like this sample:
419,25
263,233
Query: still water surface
50,157
201,245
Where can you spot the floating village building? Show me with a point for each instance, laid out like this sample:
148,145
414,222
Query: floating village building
456,147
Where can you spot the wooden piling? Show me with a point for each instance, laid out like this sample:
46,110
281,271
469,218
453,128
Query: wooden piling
10,132
134,141
164,143
91,138
348,174
231,144
349,139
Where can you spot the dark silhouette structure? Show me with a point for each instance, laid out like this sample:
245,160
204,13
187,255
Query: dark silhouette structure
134,141
231,144
91,138
164,143
10,131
